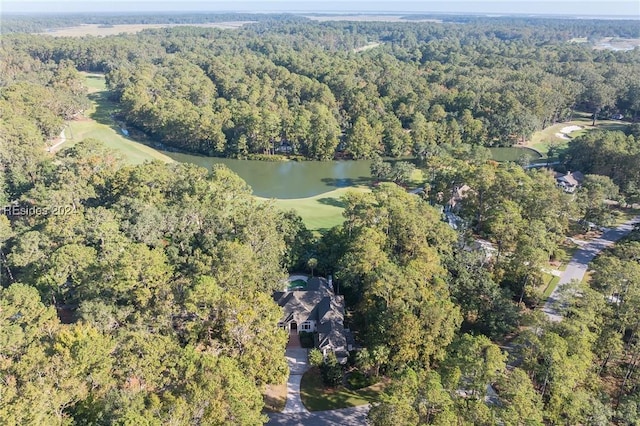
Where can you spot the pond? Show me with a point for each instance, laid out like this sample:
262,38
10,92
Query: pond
289,179
301,179
503,154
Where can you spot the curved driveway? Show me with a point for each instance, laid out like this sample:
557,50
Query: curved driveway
297,360
577,267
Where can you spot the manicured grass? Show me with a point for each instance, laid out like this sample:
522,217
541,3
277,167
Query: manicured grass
132,152
275,397
553,283
417,178
95,82
318,398
543,139
321,212
99,124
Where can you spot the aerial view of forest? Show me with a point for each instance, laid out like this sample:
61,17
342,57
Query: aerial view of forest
316,219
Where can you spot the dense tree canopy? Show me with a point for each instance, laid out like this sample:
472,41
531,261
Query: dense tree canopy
143,294
305,84
611,154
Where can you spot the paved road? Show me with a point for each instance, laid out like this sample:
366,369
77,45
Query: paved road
356,416
577,267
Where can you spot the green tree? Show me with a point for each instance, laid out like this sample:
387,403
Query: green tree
312,264
363,141
520,403
331,371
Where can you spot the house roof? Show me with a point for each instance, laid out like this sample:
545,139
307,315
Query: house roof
571,179
318,303
331,323
299,306
578,176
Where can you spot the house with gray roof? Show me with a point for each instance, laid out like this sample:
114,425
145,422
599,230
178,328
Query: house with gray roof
316,309
570,182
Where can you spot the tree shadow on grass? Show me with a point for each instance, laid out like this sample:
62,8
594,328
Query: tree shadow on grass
105,114
335,202
104,109
347,182
617,126
322,231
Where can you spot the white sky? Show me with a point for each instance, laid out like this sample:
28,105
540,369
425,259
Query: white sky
628,8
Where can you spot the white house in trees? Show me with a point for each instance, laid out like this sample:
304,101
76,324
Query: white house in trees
316,309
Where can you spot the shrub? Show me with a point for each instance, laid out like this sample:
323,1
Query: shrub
306,339
265,157
315,357
357,380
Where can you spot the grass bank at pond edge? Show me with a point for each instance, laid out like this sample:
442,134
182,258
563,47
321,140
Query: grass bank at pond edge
321,212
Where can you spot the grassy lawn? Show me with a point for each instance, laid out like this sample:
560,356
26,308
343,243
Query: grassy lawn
551,285
275,397
98,124
318,398
321,212
624,215
503,154
587,277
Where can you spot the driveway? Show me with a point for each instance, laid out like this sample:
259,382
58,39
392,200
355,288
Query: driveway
355,416
579,263
297,361
295,413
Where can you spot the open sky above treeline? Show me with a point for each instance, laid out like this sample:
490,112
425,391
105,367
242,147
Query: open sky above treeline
577,8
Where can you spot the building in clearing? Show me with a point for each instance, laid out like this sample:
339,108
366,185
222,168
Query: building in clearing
570,182
316,309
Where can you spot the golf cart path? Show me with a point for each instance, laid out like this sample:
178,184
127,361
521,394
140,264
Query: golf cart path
61,139
577,267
